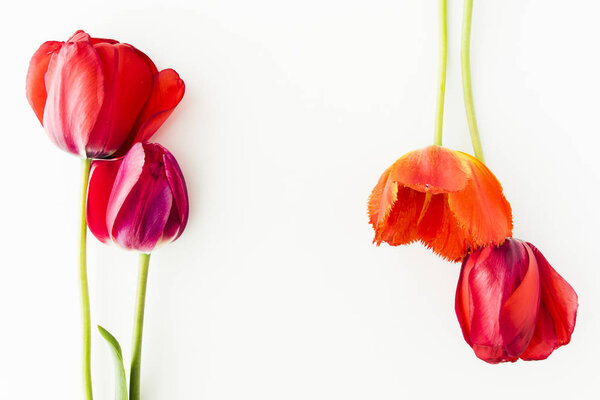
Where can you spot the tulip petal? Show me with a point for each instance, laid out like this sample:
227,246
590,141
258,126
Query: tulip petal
75,86
382,198
167,92
36,86
439,230
126,178
519,313
481,208
463,302
401,225
497,274
557,315
180,197
128,84
140,221
102,177
433,169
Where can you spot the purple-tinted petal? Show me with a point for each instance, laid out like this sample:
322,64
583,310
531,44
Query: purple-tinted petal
141,220
178,188
519,312
128,175
491,283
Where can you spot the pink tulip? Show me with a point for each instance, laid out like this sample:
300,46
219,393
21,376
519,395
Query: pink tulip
97,97
138,201
512,304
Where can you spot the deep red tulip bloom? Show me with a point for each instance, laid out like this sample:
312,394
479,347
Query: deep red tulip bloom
97,97
512,304
446,199
138,201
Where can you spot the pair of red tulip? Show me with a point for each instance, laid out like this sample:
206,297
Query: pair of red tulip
97,98
102,100
510,302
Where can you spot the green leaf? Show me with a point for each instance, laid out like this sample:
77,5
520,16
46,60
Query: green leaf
120,380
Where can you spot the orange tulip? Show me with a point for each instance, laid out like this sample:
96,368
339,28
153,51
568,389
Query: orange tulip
448,200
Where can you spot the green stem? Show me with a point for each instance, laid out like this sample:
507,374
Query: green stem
85,294
136,356
442,57
465,55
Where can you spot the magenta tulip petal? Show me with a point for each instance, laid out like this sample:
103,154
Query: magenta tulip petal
36,85
179,190
519,312
75,86
141,219
102,177
127,177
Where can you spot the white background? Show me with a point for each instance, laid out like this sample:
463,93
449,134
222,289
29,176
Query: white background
292,111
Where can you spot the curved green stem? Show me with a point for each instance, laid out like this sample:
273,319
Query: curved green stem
465,55
136,356
85,294
442,57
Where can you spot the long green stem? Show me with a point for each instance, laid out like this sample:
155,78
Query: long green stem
85,294
136,356
465,56
442,59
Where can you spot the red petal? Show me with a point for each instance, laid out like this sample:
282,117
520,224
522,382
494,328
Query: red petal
75,86
519,313
167,92
102,178
36,86
128,84
558,312
481,208
463,302
433,169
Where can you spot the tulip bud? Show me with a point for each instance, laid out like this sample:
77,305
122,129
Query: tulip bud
512,304
138,201
97,97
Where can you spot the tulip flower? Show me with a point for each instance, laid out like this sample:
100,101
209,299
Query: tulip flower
446,199
97,97
138,201
512,304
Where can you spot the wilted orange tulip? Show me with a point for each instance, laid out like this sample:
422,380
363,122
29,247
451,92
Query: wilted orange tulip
446,199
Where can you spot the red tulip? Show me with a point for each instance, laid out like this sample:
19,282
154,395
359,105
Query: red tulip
448,200
138,201
512,304
97,97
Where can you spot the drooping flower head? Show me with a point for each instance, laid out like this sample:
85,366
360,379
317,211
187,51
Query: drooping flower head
446,199
138,201
512,304
97,97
